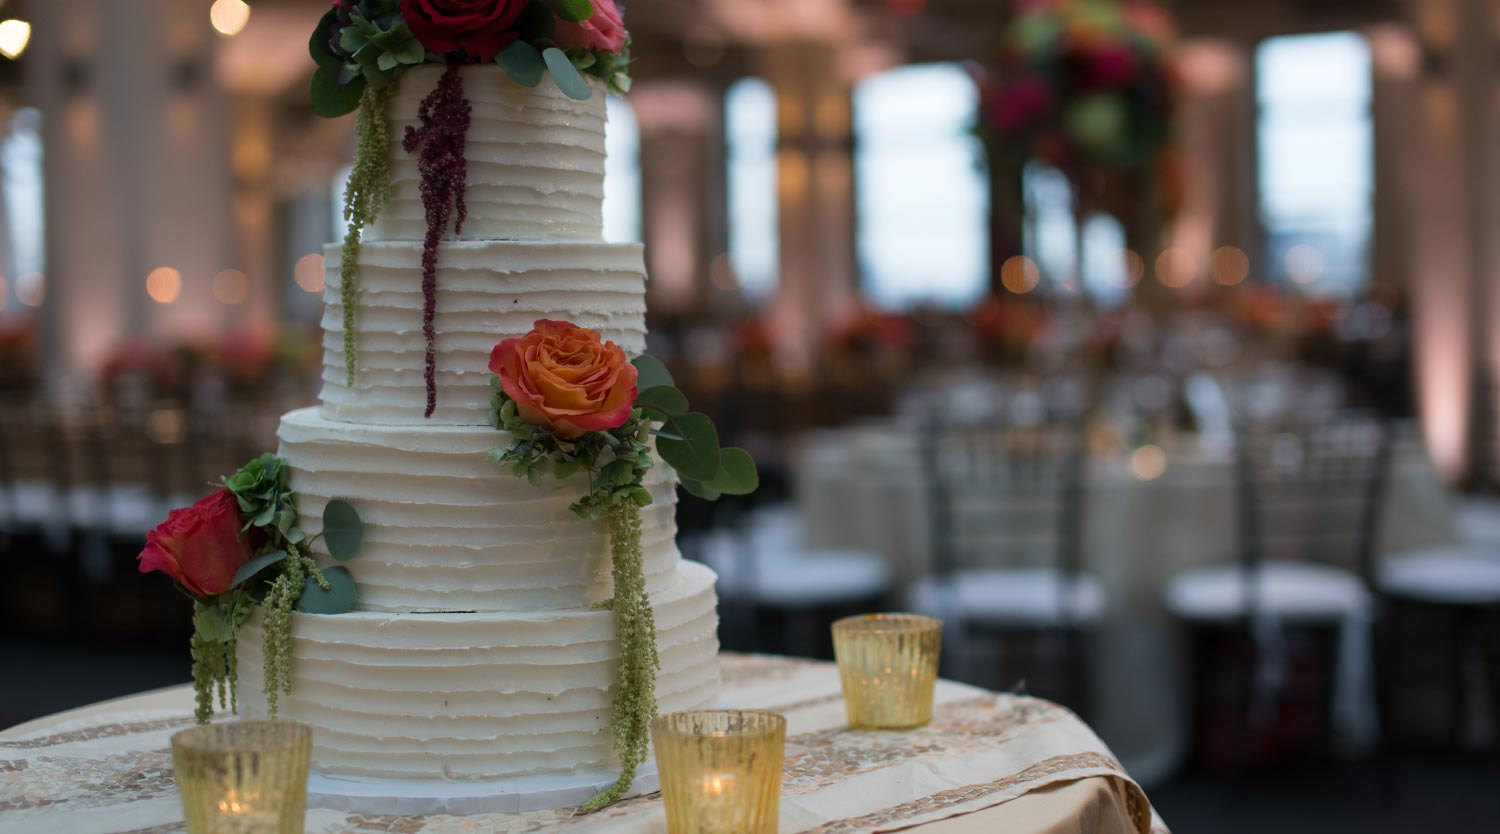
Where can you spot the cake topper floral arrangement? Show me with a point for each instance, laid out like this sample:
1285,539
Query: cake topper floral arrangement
574,407
362,47
239,548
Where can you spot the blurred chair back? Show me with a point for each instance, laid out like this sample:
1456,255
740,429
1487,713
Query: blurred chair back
1006,490
1310,490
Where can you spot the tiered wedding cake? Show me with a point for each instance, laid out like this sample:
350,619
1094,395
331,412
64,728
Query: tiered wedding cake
474,652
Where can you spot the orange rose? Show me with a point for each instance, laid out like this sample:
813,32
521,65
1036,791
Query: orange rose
566,378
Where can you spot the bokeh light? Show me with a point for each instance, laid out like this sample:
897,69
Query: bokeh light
309,272
1176,267
31,289
229,16
1228,265
1148,462
721,273
164,284
231,286
14,36
1019,274
1304,263
1135,269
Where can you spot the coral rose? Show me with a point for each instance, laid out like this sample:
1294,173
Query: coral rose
201,546
566,378
478,28
603,31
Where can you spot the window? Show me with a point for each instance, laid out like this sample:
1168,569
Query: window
921,200
622,173
1315,146
750,136
24,245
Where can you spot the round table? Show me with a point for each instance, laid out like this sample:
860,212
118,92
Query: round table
987,763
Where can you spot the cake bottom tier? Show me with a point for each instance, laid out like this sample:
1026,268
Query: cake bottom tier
478,696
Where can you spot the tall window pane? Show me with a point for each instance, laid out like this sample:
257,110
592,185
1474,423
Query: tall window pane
750,134
622,173
1315,144
921,197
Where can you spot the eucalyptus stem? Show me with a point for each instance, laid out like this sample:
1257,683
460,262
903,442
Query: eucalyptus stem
635,628
364,198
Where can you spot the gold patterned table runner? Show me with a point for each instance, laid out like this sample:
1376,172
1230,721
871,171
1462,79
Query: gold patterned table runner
111,772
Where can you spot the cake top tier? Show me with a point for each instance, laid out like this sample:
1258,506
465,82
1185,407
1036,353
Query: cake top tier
535,160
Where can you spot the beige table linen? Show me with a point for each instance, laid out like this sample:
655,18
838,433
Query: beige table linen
988,763
861,488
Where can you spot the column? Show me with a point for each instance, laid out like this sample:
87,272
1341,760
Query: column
137,172
815,187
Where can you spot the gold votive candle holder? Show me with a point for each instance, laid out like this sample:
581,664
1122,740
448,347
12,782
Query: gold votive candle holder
720,770
243,777
888,665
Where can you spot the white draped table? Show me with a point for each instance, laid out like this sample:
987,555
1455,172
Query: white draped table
987,763
862,488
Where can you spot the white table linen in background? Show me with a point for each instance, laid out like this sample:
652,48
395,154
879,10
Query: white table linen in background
862,487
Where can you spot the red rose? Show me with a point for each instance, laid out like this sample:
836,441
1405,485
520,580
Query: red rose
479,28
603,31
201,546
566,378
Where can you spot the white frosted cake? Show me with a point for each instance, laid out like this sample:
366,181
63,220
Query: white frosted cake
473,652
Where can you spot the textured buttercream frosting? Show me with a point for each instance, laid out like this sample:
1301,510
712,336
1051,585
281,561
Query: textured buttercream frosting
475,651
487,291
467,696
447,529
535,160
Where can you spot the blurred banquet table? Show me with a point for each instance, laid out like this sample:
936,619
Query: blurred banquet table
987,763
861,487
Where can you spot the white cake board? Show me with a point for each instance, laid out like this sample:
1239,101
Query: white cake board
414,797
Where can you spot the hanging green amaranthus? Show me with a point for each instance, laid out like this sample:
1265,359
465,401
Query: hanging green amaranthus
364,198
635,627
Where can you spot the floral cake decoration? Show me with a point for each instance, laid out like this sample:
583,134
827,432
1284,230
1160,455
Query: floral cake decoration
574,407
363,47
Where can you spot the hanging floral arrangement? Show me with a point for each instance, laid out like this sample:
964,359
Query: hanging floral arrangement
1083,85
240,548
363,47
574,407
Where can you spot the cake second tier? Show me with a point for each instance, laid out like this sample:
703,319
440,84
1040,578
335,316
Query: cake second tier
486,291
447,529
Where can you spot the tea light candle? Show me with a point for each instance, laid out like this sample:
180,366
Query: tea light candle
888,667
245,777
720,770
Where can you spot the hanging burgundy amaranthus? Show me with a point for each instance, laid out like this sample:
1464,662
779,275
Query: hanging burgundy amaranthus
444,118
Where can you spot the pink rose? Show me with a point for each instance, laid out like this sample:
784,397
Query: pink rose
604,31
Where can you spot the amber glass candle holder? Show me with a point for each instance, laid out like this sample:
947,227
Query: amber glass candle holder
243,777
720,770
888,664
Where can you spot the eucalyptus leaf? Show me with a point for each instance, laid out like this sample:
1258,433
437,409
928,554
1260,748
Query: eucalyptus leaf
696,455
332,99
338,599
566,76
651,373
343,531
572,10
523,62
322,36
700,489
257,564
663,399
737,474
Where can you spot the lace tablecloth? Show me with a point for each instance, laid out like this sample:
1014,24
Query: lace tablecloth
108,769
